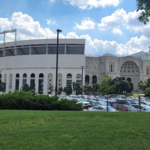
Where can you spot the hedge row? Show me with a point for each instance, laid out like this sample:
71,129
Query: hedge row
32,101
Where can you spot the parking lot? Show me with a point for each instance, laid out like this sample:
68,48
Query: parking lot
111,103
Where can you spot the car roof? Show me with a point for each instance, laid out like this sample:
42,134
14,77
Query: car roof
122,105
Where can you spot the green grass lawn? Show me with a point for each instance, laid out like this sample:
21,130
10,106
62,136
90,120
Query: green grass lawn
61,130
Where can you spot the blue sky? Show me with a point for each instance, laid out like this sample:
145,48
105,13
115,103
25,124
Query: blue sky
107,25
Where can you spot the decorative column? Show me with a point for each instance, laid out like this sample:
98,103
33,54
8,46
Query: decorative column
90,78
7,83
45,92
20,80
13,82
53,82
36,82
74,80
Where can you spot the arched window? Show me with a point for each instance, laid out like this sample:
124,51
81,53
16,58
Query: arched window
94,79
79,76
24,75
86,79
17,75
32,75
41,75
69,75
17,82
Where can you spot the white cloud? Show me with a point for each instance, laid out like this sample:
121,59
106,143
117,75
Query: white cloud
85,25
27,28
117,31
50,22
120,19
89,4
100,47
114,22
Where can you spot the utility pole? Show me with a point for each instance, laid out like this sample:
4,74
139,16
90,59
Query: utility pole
57,60
82,78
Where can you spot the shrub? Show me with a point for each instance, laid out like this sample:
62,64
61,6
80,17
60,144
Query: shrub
147,92
32,101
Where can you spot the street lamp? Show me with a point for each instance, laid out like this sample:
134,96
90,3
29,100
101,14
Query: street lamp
58,30
82,79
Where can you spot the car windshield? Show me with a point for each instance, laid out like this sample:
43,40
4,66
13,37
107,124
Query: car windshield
110,109
102,100
103,103
81,100
130,108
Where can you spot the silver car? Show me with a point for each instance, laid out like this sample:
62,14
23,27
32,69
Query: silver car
102,108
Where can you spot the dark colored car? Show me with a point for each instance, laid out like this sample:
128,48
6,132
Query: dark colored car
120,107
124,102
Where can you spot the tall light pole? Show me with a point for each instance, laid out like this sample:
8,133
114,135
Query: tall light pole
82,78
58,30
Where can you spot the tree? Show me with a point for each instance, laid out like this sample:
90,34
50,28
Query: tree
143,5
28,88
60,90
77,87
88,89
143,85
105,86
3,86
68,90
147,91
95,87
122,85
51,89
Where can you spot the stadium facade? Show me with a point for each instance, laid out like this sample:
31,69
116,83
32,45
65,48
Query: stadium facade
35,61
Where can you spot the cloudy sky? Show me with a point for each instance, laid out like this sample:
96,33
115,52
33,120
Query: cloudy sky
107,25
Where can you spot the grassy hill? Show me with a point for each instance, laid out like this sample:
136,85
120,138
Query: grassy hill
61,130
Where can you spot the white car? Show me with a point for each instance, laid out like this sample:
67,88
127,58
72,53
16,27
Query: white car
84,103
102,108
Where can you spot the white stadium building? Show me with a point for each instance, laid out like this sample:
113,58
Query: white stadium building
35,61
24,62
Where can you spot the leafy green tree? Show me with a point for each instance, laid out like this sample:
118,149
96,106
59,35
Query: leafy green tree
143,85
60,90
122,85
27,88
3,86
88,89
32,86
145,6
95,87
130,87
105,86
147,91
68,90
77,87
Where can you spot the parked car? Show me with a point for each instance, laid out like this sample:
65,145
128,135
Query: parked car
120,107
125,102
85,104
143,108
102,108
